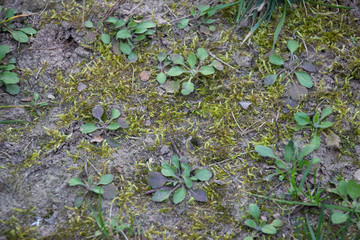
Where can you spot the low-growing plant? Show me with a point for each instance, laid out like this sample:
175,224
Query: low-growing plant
6,25
201,17
303,120
260,225
8,78
127,33
98,112
303,77
181,181
194,65
91,186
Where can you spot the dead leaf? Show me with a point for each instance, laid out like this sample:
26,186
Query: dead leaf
27,99
332,140
81,87
97,139
205,29
145,75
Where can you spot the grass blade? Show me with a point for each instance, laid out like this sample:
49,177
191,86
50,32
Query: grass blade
279,26
310,228
319,233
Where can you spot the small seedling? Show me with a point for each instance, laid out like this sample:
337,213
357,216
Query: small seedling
194,65
180,182
127,32
261,225
304,121
8,78
91,186
98,112
6,25
201,12
303,77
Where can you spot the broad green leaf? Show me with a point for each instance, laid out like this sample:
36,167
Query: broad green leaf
111,20
88,128
207,70
338,217
342,188
176,161
97,112
179,195
28,30
113,126
161,56
132,24
306,150
172,86
119,23
293,46
202,54
76,181
149,32
316,140
187,88
125,48
177,59
156,179
147,24
316,160
105,38
265,151
250,223
161,78
123,34
8,67
133,57
4,49
302,119
353,189
191,60
139,38
78,201
325,124
280,164
9,77
186,169
89,24
289,151
9,13
98,190
325,112
316,118
276,223
276,59
217,65
268,229
161,195
254,211
167,170
270,79
140,30
115,113
304,79
13,89
203,174
106,179
188,182
175,71
183,23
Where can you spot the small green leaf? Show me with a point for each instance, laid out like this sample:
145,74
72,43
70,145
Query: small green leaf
140,30
112,20
304,79
139,38
276,59
280,164
179,195
270,79
78,201
342,188
306,150
167,170
293,46
276,223
353,189
302,119
183,23
106,179
316,140
177,59
105,38
254,211
161,56
125,48
186,169
115,114
202,54
265,151
76,181
161,78
188,182
98,190
325,112
149,32
89,24
187,88
289,151
316,118
203,174
9,77
113,126
8,67
338,217
268,229
119,23
325,124
123,34
175,71
207,70
28,30
250,223
88,128
133,57
147,24
132,24
216,64
13,89
161,195
191,60
176,161
4,49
